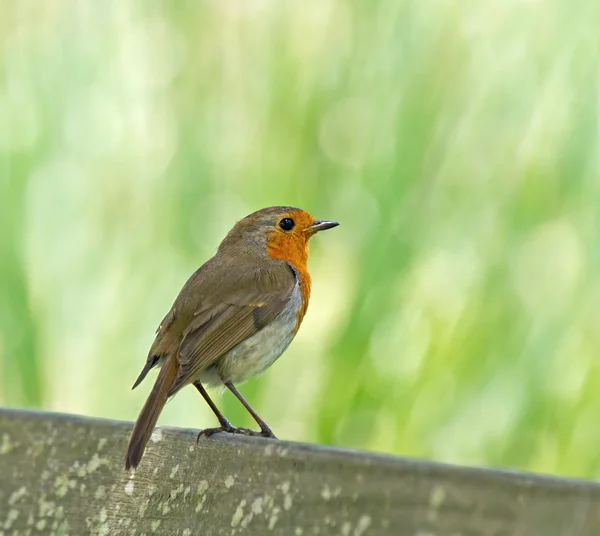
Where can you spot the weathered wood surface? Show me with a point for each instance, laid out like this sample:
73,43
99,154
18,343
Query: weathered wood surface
61,474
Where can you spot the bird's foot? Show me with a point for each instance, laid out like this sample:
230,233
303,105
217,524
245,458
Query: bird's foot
228,428
266,432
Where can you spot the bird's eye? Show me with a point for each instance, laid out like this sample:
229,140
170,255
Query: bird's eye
287,224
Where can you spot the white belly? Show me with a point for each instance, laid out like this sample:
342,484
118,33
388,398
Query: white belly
260,351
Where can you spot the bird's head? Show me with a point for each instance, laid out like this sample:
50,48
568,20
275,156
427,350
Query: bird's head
278,232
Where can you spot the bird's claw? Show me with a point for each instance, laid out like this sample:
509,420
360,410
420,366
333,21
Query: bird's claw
207,432
267,433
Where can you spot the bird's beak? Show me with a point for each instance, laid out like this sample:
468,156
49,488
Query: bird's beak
322,225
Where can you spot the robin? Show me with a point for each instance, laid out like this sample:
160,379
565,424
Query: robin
233,317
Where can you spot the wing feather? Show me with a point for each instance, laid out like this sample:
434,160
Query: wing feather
218,328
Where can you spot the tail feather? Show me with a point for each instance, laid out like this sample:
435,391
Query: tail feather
151,362
149,415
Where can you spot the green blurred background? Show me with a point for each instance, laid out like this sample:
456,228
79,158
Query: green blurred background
455,310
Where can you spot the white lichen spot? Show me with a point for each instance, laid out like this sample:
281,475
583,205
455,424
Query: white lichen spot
326,493
129,487
190,449
16,495
155,471
80,470
6,445
437,497
41,524
155,524
95,462
346,528
186,532
103,515
201,490
13,515
175,492
156,436
200,504
362,525
274,517
238,514
298,531
269,449
229,481
268,501
46,508
257,506
287,498
174,471
101,443
246,521
186,492
62,484
166,509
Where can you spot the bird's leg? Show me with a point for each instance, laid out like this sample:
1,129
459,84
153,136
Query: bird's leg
265,431
226,426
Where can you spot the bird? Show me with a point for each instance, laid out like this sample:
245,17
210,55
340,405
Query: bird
233,318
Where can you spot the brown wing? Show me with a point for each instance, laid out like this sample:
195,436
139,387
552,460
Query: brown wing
217,328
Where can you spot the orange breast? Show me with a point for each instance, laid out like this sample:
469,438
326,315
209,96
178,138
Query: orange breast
294,250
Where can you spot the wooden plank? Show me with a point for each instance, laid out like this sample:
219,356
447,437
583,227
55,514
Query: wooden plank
62,474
